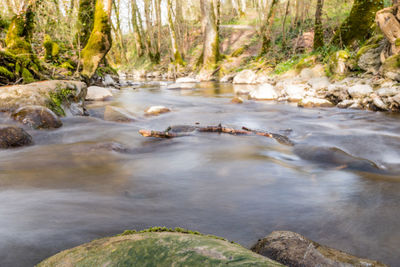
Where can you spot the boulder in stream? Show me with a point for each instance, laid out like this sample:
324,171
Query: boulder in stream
116,114
37,117
187,80
264,92
96,93
157,110
13,136
295,250
152,248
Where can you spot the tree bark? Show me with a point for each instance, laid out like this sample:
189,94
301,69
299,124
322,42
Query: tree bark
177,56
136,29
85,21
318,29
266,30
100,40
358,25
210,31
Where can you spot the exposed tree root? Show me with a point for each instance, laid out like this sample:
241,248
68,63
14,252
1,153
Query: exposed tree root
171,133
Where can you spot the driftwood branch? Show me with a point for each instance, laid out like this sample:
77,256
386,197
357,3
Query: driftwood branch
215,129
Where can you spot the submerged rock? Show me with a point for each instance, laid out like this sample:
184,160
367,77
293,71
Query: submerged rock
295,250
237,100
157,110
116,114
96,93
311,102
37,117
245,77
264,92
159,249
13,136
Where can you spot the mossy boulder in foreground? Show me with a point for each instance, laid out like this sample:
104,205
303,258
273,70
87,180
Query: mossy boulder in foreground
158,249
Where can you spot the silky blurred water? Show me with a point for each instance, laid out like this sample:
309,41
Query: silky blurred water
70,187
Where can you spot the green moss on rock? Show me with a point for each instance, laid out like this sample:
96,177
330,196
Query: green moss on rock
52,49
159,247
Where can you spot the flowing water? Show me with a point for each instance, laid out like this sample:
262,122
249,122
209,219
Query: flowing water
339,185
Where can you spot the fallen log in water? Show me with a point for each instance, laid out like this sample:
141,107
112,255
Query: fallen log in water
179,131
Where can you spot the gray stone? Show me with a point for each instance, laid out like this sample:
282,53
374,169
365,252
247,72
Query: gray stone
186,80
96,93
264,92
116,114
360,90
245,77
295,250
312,102
109,81
13,136
37,117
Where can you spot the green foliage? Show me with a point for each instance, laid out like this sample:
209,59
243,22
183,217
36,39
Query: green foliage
52,49
85,21
290,63
102,71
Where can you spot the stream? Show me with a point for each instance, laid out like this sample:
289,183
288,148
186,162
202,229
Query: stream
339,185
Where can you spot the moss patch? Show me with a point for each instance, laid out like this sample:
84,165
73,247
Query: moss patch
59,98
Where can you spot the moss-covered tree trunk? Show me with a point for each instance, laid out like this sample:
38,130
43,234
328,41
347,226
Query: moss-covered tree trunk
318,28
358,25
178,60
100,39
25,65
85,21
210,12
266,30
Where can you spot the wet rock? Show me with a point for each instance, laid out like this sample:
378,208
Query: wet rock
396,99
311,102
388,91
360,90
346,103
186,80
159,249
96,93
295,92
378,103
37,117
109,81
295,250
237,100
227,78
264,92
14,137
57,95
337,93
245,77
116,114
157,110
369,58
181,86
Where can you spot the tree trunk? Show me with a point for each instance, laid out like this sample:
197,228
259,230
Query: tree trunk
318,29
136,29
85,21
210,32
358,26
174,42
266,30
18,46
100,39
284,25
159,29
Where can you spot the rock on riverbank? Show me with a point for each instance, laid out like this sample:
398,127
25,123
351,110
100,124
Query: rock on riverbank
62,97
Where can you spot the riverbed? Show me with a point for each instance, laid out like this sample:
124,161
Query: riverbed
94,178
